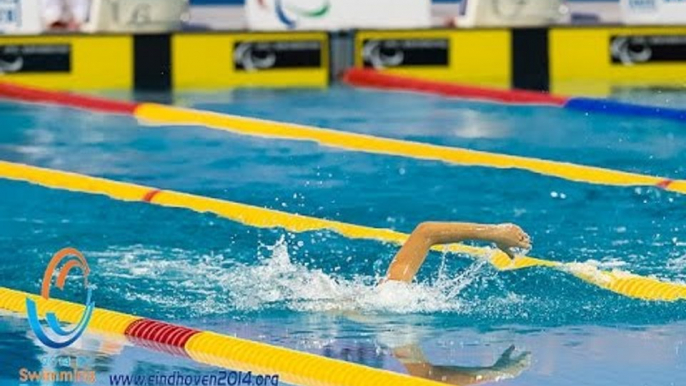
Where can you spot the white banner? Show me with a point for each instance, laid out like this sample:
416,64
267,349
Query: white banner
512,13
136,15
337,14
20,17
653,11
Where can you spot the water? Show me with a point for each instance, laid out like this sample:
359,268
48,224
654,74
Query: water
317,291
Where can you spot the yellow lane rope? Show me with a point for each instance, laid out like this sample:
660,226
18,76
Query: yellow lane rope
171,115
101,320
620,282
214,349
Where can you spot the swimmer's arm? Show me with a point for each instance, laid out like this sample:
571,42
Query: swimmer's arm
417,365
413,253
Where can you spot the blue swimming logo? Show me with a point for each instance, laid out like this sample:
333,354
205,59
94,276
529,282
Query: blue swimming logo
289,15
72,258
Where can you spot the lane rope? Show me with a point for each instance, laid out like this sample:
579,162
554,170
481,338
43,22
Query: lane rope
293,367
620,282
171,115
369,78
85,102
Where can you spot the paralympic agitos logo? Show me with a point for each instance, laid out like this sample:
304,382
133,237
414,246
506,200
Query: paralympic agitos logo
290,14
59,336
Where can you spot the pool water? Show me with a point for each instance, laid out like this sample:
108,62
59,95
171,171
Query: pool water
316,291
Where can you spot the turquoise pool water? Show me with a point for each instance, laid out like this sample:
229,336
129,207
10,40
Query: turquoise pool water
296,290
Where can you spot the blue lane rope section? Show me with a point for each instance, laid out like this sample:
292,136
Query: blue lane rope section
593,105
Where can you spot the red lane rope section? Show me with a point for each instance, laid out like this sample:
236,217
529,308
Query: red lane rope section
163,334
30,94
150,195
374,79
159,347
664,184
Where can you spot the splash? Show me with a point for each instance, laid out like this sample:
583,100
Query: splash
278,280
216,284
183,284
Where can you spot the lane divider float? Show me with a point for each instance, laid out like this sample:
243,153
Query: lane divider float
170,115
84,102
622,283
374,79
293,367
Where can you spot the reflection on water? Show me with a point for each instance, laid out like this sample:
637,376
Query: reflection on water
507,366
415,363
101,354
567,356
110,355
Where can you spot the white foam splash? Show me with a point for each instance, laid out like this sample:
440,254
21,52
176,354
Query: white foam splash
677,264
609,263
598,272
278,280
215,284
588,271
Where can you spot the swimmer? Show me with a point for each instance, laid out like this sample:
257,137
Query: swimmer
403,341
411,256
404,267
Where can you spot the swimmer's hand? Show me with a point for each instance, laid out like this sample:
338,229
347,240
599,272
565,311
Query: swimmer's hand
511,367
509,236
